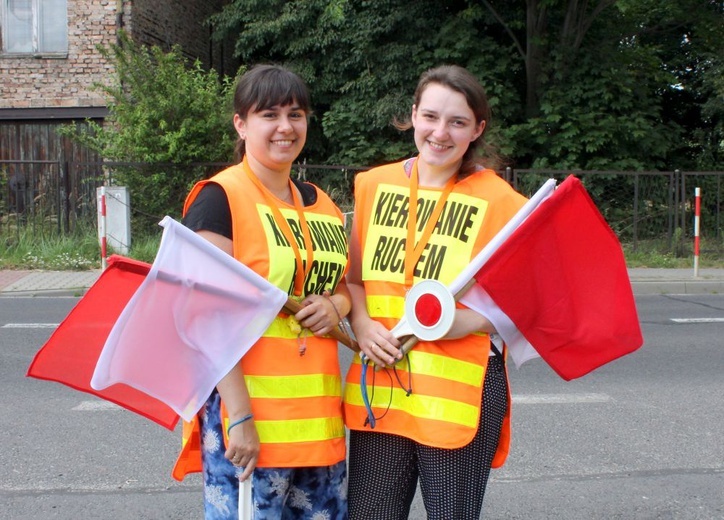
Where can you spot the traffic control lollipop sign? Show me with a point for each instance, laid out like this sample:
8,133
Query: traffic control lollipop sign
429,312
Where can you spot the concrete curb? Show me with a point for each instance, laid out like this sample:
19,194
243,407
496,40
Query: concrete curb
76,283
643,287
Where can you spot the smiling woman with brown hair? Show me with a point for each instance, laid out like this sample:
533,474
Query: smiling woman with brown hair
440,413
276,417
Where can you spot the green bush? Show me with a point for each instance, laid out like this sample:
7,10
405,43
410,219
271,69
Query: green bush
164,111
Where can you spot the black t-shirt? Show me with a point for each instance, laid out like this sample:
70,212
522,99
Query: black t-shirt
210,210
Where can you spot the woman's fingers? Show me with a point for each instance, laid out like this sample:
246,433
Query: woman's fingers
248,470
247,461
382,352
317,315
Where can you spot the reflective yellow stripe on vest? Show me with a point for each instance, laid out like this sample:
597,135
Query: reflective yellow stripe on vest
380,306
300,430
421,406
277,387
281,328
444,367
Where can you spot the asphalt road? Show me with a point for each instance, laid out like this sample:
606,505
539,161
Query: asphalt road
638,439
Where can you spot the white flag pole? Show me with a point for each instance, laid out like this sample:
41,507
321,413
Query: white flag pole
465,280
491,247
245,503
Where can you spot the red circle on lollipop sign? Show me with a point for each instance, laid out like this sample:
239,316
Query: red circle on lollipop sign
429,310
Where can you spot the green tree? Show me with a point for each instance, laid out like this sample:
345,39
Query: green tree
597,79
362,60
167,114
688,37
574,84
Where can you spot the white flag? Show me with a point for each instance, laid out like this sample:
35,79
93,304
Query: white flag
195,315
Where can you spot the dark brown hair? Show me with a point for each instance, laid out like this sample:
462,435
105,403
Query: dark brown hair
266,86
460,80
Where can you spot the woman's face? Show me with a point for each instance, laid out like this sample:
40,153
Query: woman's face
274,137
444,127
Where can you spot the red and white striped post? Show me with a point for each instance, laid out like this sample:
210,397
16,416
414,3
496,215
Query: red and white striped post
102,227
697,215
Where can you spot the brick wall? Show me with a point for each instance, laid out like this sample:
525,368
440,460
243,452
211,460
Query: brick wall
47,83
55,82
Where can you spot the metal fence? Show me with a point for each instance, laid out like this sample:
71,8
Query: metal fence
645,206
44,197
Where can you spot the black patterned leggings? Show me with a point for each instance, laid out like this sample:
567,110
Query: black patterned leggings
384,468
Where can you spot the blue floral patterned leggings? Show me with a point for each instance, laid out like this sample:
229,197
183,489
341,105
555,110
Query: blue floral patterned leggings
314,493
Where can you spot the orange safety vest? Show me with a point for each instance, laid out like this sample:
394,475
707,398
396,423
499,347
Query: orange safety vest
295,399
445,377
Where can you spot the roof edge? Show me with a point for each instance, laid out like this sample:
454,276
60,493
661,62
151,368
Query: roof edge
64,113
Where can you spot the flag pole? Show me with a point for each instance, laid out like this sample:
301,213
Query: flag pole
245,503
466,279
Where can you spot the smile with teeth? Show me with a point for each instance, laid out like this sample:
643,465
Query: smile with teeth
438,147
283,142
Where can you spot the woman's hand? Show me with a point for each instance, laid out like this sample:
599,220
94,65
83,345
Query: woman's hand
319,314
376,342
243,447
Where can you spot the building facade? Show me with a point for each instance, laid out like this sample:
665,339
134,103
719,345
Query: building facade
49,61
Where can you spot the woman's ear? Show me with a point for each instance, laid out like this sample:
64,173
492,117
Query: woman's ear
240,126
478,130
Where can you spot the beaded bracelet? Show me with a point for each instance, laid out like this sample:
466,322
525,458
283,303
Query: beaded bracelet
236,423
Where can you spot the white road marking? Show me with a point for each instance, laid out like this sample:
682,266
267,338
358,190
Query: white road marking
561,398
30,326
96,406
697,320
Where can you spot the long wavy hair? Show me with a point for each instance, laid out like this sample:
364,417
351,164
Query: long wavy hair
461,80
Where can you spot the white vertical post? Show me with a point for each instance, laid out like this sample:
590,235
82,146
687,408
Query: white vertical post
102,227
697,215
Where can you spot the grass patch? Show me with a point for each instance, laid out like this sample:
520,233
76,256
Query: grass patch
80,251
655,254
26,250
144,248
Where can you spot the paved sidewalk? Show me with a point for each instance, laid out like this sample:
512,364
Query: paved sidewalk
46,283
76,283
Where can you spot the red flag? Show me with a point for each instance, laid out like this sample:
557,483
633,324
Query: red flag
561,279
70,355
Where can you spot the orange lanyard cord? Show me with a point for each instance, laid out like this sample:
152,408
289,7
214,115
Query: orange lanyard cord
302,270
412,255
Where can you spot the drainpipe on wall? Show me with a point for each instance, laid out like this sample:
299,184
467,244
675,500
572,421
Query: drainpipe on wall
119,19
